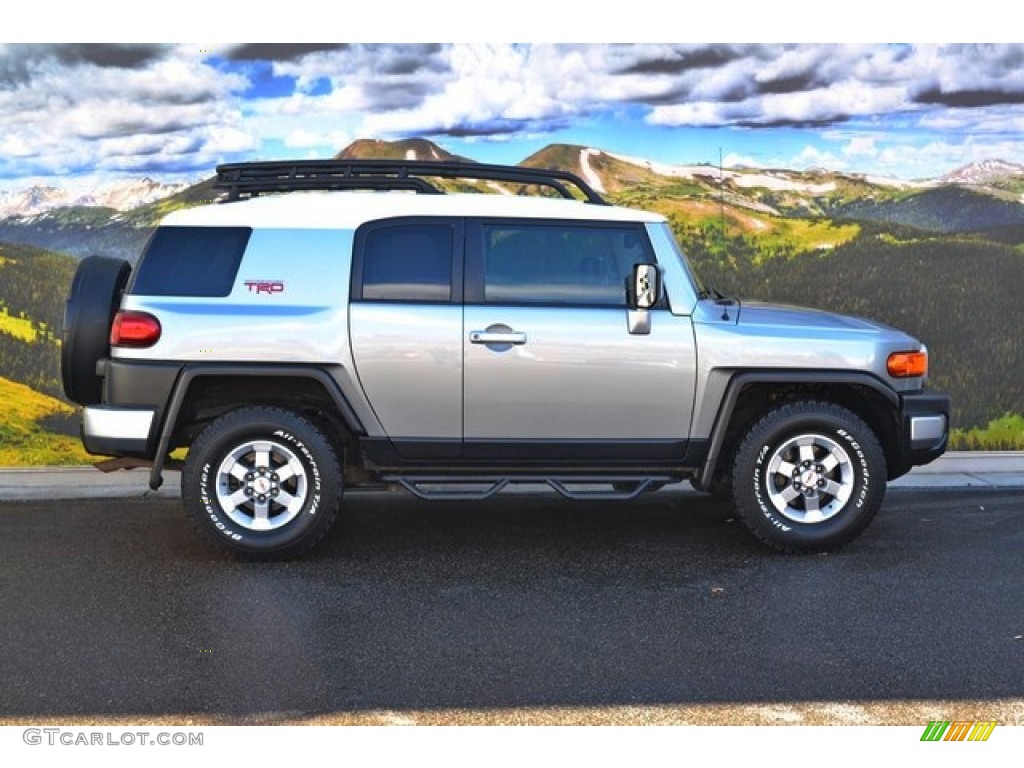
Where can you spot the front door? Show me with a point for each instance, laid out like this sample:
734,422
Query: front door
551,370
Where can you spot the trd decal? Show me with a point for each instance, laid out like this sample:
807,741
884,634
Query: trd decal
265,286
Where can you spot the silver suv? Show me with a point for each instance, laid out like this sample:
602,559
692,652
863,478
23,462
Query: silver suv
346,323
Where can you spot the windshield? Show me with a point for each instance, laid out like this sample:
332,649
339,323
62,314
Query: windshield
665,243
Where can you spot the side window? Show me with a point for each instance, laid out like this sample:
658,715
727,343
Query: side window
409,261
190,261
570,263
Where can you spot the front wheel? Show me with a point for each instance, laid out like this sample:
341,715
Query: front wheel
808,477
262,483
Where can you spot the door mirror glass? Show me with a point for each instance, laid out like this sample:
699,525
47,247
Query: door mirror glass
645,288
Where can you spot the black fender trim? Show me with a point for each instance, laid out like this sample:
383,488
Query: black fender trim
741,380
191,372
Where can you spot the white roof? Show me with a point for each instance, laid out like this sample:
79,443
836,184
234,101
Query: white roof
347,210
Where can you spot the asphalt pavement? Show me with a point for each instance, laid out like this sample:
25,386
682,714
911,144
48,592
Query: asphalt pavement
522,609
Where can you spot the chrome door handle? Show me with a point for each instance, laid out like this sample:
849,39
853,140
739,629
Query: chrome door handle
497,337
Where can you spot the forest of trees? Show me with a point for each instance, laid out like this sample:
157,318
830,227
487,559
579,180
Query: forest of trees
33,287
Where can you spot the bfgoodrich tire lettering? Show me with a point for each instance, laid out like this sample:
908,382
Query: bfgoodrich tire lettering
262,483
808,477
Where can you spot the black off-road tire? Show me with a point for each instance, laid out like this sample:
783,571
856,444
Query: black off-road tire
94,297
808,477
262,483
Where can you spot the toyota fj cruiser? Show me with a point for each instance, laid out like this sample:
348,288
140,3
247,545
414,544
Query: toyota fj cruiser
324,328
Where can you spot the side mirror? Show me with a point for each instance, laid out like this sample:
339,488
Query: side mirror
645,286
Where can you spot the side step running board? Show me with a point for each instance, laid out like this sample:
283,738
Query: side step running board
449,487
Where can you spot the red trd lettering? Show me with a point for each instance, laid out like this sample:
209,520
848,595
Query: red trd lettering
265,286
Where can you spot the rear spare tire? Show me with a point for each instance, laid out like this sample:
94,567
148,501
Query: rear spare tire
92,301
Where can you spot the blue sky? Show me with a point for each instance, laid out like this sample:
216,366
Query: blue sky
89,113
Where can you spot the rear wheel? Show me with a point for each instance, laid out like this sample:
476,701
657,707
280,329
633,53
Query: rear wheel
262,483
808,477
92,301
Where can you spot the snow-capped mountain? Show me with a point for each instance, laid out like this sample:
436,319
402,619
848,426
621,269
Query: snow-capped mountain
125,194
984,172
32,201
121,195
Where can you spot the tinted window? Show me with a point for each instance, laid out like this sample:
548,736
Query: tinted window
408,262
191,261
565,264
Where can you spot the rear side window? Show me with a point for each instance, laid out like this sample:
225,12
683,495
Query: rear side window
408,261
191,261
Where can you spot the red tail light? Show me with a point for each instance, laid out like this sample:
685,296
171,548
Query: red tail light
134,329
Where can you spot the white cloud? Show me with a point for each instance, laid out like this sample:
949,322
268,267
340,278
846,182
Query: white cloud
937,157
812,157
301,122
301,138
899,157
228,139
373,77
490,87
695,113
16,146
71,108
993,121
733,160
861,147
66,110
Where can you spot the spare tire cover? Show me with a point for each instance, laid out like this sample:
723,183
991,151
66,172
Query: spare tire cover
94,298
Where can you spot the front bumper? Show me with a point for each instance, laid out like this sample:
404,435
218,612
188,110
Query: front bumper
924,430
114,431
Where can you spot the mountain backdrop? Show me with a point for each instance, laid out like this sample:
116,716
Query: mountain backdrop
941,258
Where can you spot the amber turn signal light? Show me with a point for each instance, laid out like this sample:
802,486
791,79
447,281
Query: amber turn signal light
904,365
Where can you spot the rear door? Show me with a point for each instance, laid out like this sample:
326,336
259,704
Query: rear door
552,372
405,323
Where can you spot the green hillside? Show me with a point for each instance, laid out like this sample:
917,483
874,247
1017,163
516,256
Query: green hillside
26,436
146,217
36,426
79,231
33,287
404,149
767,235
945,209
615,175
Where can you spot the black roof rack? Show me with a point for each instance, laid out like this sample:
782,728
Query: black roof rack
251,179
